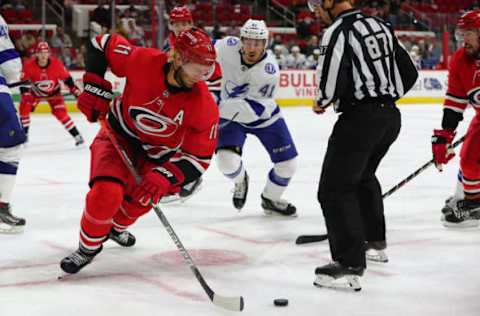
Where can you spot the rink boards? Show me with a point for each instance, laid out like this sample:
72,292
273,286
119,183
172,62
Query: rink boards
296,88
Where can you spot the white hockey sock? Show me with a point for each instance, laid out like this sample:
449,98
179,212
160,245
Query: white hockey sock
230,164
278,179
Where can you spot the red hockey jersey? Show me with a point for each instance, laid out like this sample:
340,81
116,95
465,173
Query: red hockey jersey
46,80
463,83
163,122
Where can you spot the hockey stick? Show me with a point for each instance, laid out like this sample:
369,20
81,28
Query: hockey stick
228,122
23,83
230,303
304,239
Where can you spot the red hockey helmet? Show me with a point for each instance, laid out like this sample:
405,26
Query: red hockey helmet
43,47
194,45
180,14
469,20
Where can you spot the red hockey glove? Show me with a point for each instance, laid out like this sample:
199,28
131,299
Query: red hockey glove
28,99
155,184
75,91
441,141
95,99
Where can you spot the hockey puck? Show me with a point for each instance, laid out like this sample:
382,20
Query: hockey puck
280,302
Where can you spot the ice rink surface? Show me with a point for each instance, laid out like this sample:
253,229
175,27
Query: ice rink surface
432,270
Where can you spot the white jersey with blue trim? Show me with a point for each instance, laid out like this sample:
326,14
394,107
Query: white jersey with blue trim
248,90
10,63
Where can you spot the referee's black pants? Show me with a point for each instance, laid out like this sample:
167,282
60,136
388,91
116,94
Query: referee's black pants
349,192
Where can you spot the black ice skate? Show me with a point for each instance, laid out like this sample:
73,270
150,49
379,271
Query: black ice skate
9,223
124,238
78,259
337,276
79,140
186,192
240,193
466,213
375,251
281,207
449,205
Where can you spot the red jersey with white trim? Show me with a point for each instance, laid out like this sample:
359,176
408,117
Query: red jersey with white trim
164,123
46,80
463,83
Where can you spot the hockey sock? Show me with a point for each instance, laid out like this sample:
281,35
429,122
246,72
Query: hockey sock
278,179
102,202
128,213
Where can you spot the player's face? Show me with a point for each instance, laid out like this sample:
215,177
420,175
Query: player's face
252,49
470,40
191,73
179,26
43,57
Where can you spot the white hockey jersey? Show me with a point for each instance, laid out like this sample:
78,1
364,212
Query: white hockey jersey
247,90
10,63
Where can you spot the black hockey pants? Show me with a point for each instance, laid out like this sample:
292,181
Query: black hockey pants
349,192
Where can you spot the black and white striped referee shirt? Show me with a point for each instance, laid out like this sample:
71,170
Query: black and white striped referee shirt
362,60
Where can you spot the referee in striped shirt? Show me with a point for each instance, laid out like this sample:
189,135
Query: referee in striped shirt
363,69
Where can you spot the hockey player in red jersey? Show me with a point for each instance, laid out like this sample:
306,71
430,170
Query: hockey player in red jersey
463,89
179,20
166,120
45,73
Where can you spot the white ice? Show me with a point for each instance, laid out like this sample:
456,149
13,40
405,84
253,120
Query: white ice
432,270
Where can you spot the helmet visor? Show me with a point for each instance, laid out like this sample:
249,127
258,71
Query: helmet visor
314,4
465,34
197,71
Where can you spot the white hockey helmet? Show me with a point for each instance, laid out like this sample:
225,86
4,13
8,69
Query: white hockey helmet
256,29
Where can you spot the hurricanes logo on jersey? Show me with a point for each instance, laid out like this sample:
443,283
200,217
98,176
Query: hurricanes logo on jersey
234,91
45,85
151,123
474,96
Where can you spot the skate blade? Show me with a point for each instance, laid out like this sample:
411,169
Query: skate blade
347,282
375,256
469,223
279,214
7,229
170,199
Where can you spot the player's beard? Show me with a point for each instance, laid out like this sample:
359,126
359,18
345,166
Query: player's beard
475,53
178,75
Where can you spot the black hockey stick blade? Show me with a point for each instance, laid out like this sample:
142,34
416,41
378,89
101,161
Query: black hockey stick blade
305,239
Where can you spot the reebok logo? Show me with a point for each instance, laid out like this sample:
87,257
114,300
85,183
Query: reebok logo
99,92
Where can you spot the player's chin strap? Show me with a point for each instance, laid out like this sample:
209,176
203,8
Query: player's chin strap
329,11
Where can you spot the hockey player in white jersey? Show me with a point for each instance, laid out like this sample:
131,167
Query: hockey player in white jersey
11,132
247,106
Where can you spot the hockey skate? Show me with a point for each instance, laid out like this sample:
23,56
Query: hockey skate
78,259
79,140
465,213
123,238
449,205
375,251
9,223
186,192
240,193
337,276
280,207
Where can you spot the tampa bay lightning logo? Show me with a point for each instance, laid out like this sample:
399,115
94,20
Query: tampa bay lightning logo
270,68
152,123
234,91
232,41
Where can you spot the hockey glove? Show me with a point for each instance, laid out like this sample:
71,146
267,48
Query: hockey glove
154,186
441,141
28,100
75,91
95,99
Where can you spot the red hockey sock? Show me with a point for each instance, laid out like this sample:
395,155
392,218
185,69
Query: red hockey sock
128,214
102,202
